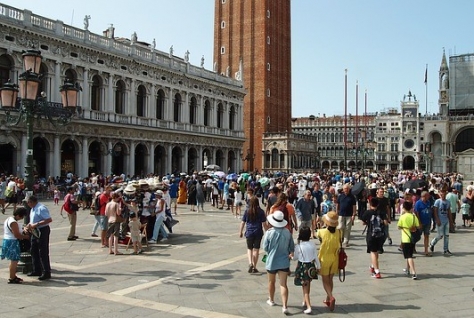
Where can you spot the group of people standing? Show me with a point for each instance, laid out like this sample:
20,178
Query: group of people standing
273,231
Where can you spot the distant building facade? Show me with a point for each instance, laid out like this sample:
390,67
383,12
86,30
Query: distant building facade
143,110
402,138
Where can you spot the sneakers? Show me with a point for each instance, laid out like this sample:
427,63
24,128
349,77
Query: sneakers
270,302
390,241
431,247
372,270
448,253
152,241
406,271
308,311
284,310
94,235
377,275
414,277
164,239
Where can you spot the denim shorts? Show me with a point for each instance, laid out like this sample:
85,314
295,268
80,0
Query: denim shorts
425,229
103,222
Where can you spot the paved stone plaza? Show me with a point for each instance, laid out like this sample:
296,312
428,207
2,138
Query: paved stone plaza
201,271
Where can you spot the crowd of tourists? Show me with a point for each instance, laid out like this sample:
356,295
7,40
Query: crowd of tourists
273,208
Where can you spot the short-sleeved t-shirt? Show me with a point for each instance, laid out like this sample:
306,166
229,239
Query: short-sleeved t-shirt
346,203
443,208
424,211
406,222
254,228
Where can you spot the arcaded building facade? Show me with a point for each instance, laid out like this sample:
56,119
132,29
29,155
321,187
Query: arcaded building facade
143,110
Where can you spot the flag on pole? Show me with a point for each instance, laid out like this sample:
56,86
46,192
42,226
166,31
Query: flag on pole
426,75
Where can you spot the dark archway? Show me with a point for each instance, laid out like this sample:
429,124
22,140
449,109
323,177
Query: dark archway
94,158
140,159
68,157
6,159
40,148
231,161
118,162
220,160
409,163
464,140
192,159
160,161
176,156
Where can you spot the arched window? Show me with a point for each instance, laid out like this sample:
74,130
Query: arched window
96,95
232,117
192,110
5,67
220,114
207,113
141,101
177,107
120,98
160,104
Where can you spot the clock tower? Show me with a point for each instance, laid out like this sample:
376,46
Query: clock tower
409,157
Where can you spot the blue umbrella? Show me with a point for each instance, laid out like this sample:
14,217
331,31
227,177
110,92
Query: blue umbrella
232,177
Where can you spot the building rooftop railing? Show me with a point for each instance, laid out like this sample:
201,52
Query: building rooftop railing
145,54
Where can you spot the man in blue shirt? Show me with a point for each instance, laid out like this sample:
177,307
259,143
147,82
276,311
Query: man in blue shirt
346,209
40,220
423,211
444,221
173,192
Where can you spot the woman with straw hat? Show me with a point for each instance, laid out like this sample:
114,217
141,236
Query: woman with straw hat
279,245
328,255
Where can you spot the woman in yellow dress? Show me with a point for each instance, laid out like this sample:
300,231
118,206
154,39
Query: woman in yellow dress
183,192
329,255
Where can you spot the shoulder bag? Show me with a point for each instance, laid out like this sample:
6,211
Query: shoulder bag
342,260
415,236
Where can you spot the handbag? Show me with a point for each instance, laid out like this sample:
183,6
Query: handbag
8,192
311,271
342,261
415,236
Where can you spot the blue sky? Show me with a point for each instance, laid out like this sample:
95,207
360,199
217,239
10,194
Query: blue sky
385,45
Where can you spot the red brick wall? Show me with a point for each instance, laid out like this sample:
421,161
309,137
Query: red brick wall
245,37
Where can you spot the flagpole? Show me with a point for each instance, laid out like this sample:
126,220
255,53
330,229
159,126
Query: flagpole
426,90
345,120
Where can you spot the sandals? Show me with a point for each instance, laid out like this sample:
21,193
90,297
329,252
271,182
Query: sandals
332,304
15,280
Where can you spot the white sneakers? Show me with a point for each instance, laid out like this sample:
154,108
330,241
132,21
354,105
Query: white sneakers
270,302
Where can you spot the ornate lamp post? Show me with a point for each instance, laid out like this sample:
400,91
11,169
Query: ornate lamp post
28,105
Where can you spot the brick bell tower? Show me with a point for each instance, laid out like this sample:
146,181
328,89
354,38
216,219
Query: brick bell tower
255,36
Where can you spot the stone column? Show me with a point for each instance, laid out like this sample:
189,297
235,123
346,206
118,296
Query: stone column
56,95
185,157
132,99
85,102
56,171
151,158
109,105
169,160
85,158
151,103
131,162
108,166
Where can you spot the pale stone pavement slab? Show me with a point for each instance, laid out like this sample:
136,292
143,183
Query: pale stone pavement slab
201,271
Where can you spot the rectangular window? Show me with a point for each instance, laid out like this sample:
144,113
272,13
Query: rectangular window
222,50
